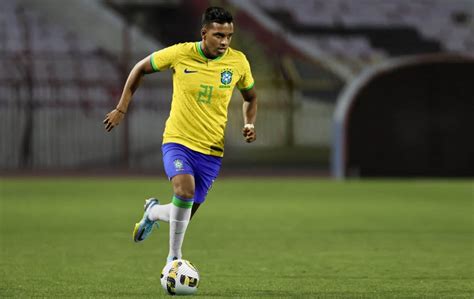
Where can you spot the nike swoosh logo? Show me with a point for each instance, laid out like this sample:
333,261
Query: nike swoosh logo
186,71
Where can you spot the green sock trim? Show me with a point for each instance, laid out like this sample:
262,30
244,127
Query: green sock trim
182,203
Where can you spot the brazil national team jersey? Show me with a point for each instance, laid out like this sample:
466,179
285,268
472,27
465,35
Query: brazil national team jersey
202,89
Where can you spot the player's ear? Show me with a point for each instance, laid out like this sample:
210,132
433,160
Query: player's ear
203,31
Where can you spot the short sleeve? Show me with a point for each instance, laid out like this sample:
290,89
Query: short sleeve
246,81
165,58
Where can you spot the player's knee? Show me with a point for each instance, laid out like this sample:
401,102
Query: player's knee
183,186
183,192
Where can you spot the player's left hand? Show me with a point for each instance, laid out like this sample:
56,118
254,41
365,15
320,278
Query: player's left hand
249,133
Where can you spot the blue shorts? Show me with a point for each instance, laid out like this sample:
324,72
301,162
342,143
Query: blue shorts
178,159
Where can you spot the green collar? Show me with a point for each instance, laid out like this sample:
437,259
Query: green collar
201,53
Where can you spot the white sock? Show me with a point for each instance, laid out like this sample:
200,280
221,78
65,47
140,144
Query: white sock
180,213
160,212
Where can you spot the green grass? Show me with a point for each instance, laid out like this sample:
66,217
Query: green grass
257,238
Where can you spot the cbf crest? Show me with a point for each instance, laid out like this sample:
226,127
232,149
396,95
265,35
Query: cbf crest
178,165
226,76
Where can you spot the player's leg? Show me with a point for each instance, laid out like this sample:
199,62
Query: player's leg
190,192
180,212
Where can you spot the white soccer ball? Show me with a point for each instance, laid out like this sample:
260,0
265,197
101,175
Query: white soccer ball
180,277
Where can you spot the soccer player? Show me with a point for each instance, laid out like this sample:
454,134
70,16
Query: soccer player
204,76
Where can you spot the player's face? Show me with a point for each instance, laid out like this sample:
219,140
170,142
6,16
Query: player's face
216,38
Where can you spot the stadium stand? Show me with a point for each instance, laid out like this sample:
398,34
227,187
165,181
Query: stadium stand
447,23
55,88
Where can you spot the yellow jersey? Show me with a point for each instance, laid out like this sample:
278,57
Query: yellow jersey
202,89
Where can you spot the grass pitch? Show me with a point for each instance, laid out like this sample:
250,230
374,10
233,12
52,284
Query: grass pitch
257,238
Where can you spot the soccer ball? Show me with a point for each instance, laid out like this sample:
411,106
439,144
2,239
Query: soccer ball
180,277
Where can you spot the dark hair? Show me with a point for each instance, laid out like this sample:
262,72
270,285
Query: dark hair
217,15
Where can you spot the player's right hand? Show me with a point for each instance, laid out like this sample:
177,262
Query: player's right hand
112,119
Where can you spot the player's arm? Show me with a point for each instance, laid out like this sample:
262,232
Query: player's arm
249,110
114,117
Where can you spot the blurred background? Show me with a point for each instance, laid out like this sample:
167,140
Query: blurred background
346,87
